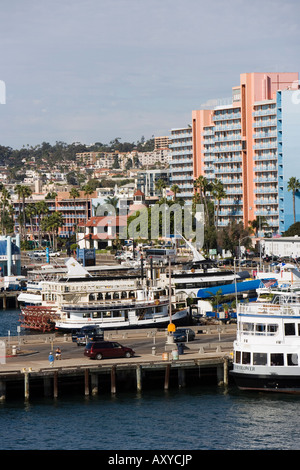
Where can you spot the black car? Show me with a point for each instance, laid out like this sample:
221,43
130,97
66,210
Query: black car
248,263
183,335
87,334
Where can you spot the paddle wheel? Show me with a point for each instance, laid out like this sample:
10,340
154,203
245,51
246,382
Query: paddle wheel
38,318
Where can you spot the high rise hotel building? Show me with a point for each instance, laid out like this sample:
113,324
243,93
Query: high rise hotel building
252,145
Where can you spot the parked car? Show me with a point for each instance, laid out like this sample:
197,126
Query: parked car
54,253
183,334
107,349
226,262
248,263
87,334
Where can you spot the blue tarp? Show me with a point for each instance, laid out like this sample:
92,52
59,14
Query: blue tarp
229,288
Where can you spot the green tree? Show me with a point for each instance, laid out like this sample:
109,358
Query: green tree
175,189
23,192
218,193
30,212
41,210
51,225
74,194
229,237
113,201
294,187
88,190
160,186
203,188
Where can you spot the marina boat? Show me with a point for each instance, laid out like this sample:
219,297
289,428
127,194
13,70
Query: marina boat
111,301
267,345
200,273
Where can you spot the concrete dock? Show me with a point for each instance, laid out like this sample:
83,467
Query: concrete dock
38,378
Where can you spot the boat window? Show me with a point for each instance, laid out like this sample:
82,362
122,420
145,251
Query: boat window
86,315
277,359
247,327
107,314
246,357
260,328
289,329
272,329
237,357
259,359
292,359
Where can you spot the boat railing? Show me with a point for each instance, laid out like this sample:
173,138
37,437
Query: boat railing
269,309
116,302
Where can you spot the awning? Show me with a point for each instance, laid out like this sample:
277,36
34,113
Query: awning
229,288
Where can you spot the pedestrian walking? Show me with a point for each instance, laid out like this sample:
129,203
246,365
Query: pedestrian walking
51,359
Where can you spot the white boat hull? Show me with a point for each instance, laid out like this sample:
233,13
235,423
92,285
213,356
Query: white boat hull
156,321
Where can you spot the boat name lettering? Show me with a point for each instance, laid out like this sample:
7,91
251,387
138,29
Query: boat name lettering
250,368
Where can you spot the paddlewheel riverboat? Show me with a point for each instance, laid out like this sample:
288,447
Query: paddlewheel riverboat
39,318
110,302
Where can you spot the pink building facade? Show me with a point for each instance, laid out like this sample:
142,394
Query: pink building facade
241,143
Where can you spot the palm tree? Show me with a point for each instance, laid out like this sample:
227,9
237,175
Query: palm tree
294,186
23,192
51,225
160,186
4,201
175,189
112,201
30,213
88,190
218,193
74,193
41,210
256,224
204,186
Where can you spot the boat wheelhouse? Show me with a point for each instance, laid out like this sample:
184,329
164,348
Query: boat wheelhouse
267,345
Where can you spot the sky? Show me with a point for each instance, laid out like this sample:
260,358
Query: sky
95,70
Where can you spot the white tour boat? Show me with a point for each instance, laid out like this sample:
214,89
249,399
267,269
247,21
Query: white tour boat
110,302
200,273
267,345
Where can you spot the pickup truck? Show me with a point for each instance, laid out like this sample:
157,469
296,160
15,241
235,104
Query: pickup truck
87,334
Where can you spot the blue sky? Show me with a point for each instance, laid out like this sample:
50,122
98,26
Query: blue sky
94,70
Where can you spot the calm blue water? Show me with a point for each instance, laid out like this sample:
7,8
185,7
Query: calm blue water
206,418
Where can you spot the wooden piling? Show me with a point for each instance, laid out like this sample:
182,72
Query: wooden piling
94,384
2,390
139,378
167,376
113,380
55,384
26,385
86,382
225,371
181,378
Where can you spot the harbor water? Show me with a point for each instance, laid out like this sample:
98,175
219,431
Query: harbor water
200,418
